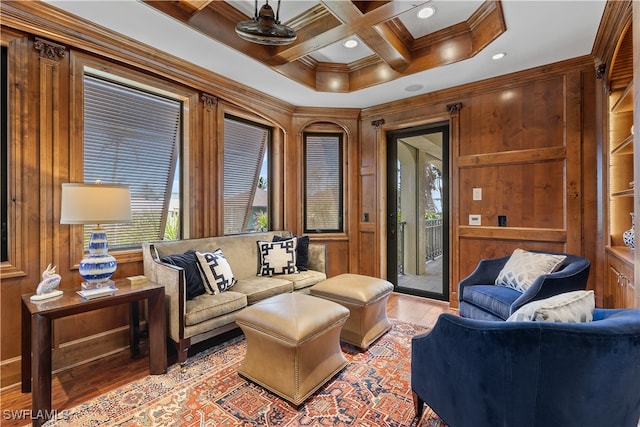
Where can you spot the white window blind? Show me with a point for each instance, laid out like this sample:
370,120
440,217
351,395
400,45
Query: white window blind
132,137
246,195
323,183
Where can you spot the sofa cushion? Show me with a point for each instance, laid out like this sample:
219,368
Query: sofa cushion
189,263
277,257
206,306
302,251
215,270
496,300
524,267
258,288
304,279
576,306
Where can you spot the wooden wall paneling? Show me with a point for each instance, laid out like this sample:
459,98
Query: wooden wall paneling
204,160
345,120
283,189
573,163
454,110
589,186
529,115
20,273
531,195
53,140
193,157
22,161
353,214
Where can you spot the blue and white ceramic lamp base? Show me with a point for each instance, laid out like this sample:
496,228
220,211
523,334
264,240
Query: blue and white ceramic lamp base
99,266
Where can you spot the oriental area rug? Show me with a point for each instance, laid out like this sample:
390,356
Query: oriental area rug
373,390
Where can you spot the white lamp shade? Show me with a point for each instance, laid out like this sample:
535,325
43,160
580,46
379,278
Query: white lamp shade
95,204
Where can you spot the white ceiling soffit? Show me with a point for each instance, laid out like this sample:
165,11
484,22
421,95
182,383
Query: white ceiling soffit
538,33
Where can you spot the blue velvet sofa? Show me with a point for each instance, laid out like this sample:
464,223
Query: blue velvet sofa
479,298
476,373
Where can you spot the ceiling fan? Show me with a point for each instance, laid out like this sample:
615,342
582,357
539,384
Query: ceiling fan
265,27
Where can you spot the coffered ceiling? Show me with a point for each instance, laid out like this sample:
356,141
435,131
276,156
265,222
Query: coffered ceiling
398,56
392,40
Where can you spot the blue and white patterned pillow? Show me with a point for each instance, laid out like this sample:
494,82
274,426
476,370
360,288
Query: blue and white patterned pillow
524,267
277,257
216,272
568,307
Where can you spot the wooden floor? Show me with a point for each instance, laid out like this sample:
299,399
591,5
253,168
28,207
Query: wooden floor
76,385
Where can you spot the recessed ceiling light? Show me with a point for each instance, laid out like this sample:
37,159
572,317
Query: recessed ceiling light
350,44
426,12
499,55
413,88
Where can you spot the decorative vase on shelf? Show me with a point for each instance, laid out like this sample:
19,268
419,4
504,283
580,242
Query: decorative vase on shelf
629,236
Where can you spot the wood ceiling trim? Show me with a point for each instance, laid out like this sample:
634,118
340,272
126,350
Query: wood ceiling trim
397,54
196,4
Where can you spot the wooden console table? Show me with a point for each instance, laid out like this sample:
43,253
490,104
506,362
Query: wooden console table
36,334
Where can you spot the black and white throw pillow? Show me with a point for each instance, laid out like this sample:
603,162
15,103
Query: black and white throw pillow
302,251
216,272
277,257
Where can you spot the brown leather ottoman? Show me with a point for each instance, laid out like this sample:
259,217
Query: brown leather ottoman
366,298
293,344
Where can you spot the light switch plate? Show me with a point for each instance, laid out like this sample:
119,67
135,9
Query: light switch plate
475,219
477,194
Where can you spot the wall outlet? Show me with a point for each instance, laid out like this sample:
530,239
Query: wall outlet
477,194
475,219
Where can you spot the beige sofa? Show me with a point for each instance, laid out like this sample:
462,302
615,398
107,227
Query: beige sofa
205,316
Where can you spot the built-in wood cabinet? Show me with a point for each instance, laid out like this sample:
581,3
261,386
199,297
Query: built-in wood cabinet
619,259
620,288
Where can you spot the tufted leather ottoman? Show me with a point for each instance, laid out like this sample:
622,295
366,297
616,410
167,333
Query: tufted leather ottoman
293,344
366,298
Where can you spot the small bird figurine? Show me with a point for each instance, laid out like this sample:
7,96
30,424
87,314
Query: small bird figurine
50,281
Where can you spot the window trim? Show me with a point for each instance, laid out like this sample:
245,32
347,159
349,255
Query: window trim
18,58
80,63
341,142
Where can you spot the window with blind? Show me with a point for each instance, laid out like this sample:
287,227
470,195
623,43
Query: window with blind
246,176
323,195
133,137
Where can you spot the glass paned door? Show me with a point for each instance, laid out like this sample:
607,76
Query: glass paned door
418,210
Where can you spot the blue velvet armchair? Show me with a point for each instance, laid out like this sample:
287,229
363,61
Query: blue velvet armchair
479,298
476,373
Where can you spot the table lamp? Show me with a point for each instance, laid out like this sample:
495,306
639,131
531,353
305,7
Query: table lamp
96,204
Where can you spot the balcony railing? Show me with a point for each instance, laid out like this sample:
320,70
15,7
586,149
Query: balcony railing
432,241
433,238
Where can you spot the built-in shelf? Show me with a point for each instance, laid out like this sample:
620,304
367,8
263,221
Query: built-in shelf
625,102
619,289
623,193
625,147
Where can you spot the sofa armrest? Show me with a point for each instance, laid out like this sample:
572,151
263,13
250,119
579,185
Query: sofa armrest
318,257
571,278
484,274
173,279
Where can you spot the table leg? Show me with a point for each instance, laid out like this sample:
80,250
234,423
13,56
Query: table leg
157,333
41,370
134,329
26,349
